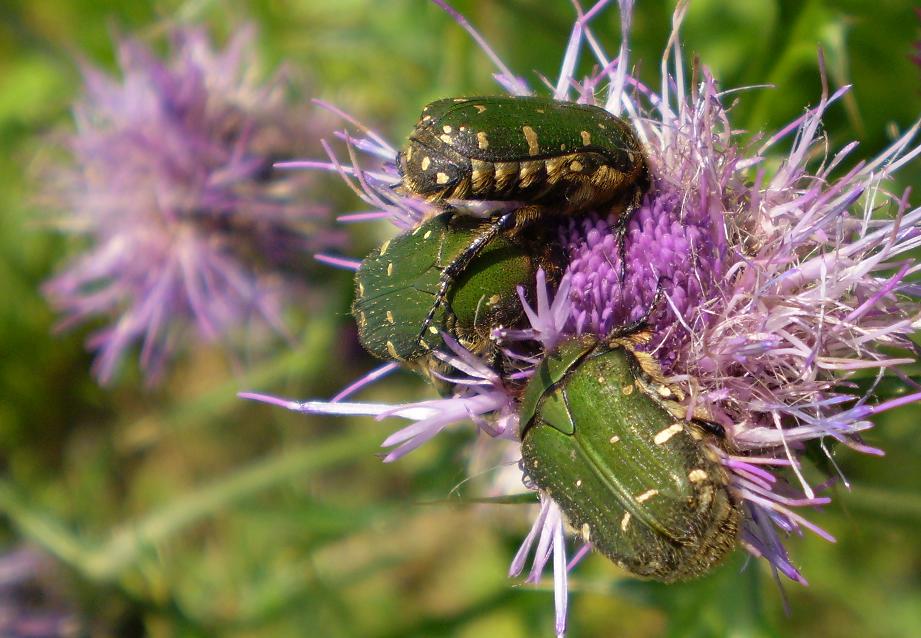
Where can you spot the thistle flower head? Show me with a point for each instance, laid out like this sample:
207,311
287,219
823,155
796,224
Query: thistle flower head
766,285
170,186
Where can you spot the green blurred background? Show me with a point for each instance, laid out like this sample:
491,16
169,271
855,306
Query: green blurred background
184,511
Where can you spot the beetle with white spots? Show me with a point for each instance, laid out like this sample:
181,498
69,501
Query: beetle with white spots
637,481
562,156
541,157
397,288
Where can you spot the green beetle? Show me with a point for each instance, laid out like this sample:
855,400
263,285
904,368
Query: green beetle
563,156
555,158
606,439
400,307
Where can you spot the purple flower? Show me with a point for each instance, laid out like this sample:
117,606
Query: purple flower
781,276
171,189
31,603
669,246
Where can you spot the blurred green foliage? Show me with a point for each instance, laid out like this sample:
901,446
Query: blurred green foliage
187,512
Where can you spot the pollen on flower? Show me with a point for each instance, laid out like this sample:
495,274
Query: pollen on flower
170,187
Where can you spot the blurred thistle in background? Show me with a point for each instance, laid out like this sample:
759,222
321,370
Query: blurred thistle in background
31,600
786,275
188,232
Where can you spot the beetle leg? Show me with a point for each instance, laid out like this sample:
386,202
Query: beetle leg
501,224
639,324
620,229
711,427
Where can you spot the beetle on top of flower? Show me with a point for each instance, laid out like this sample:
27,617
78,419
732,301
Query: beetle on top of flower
718,320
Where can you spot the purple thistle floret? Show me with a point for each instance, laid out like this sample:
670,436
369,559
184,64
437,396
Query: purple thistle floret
479,391
778,281
171,187
667,248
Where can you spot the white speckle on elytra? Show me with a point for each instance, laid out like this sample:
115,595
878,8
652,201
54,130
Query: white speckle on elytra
530,135
667,433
